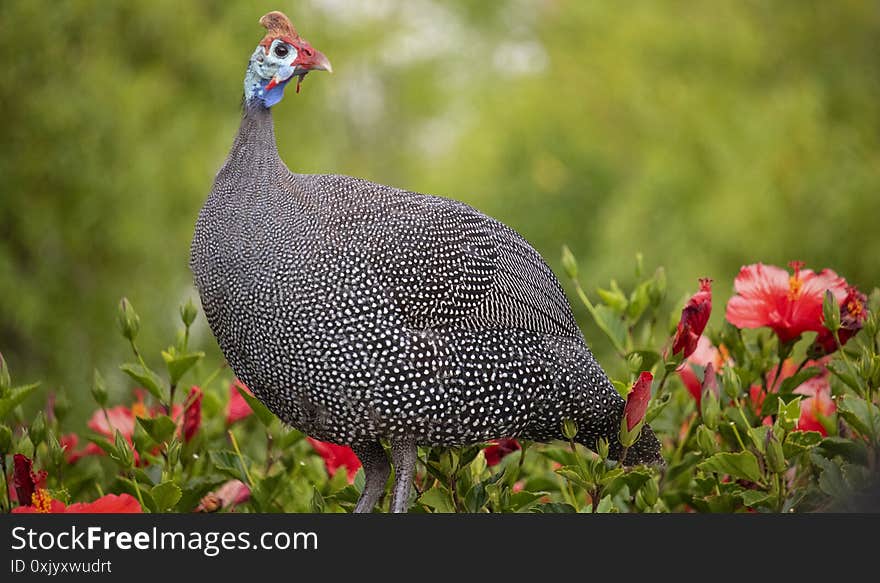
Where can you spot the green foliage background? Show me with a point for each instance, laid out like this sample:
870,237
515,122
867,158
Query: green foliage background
706,135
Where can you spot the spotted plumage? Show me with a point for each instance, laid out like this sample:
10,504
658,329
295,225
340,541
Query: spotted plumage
358,313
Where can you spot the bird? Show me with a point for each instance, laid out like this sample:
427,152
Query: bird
363,314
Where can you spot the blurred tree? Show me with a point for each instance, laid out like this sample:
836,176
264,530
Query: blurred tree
705,135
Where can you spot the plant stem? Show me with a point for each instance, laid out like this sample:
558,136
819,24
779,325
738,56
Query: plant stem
247,474
738,438
210,378
662,382
170,406
137,353
453,478
137,490
780,493
802,365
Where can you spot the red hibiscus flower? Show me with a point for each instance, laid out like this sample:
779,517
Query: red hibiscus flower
853,312
704,355
500,449
788,304
121,418
337,456
237,408
71,455
108,504
192,413
693,320
25,481
817,404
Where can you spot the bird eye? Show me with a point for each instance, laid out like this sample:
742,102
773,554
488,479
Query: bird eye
281,50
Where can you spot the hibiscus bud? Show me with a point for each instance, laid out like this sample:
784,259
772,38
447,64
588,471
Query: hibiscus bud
5,380
657,289
831,311
775,456
210,502
61,407
99,389
56,452
635,409
569,429
706,440
732,383
124,455
602,447
188,312
711,409
650,492
635,361
128,320
5,439
569,263
38,429
173,452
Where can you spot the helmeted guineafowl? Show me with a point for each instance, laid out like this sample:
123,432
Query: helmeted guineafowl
358,312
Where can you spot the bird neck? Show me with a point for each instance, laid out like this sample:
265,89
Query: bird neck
255,142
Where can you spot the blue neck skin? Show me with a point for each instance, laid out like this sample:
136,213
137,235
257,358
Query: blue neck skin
257,91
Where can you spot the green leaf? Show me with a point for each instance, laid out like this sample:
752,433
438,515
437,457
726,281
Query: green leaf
738,465
15,397
723,503
864,417
572,474
263,414
160,429
853,451
633,479
166,495
798,442
788,413
554,508
522,501
437,499
605,506
179,363
145,378
831,481
753,497
476,498
228,462
841,371
317,504
793,382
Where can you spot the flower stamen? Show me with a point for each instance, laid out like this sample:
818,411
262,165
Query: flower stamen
795,283
41,501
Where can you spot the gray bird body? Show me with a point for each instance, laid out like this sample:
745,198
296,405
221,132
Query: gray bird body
358,312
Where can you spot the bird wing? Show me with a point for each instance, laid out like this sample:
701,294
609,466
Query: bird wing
446,264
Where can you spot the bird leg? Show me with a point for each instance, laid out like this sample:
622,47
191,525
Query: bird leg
376,471
403,456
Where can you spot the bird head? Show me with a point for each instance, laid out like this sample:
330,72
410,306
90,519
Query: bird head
281,56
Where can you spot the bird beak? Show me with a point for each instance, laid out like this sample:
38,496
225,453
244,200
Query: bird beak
310,59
